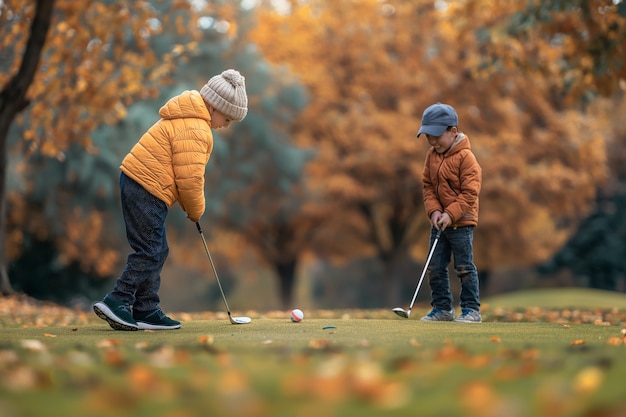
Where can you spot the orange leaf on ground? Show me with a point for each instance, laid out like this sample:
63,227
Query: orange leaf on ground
109,343
479,398
319,344
114,358
614,341
206,339
588,380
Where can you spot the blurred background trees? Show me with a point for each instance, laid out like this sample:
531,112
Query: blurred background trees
97,59
319,188
373,68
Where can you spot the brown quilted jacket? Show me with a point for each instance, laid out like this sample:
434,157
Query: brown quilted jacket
170,158
452,182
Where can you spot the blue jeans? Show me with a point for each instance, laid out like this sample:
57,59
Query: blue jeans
144,217
456,242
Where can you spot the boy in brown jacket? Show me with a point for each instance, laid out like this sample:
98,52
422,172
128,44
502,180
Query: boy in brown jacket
166,166
452,180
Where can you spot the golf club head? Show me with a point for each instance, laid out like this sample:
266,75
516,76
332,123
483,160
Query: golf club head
239,320
400,312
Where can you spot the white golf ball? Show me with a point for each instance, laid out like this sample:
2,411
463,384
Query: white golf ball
296,315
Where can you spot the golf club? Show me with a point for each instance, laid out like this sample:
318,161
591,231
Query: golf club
400,311
233,320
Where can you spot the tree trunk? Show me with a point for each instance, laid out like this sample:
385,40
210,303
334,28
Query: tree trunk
287,279
12,101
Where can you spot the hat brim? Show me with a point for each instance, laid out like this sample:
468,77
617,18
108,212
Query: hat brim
432,130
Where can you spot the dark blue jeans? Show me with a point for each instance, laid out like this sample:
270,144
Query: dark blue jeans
144,216
457,243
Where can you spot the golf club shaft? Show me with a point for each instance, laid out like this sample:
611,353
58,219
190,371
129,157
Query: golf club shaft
430,255
213,267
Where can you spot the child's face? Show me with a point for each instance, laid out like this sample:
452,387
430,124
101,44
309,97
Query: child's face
219,120
442,143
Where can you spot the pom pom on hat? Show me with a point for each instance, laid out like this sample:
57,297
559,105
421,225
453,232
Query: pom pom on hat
227,93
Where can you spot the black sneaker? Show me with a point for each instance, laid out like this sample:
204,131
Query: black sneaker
116,313
155,320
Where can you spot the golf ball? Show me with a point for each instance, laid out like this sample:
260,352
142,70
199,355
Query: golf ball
296,315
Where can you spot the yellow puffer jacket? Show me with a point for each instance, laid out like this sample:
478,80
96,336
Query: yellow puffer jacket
170,158
452,183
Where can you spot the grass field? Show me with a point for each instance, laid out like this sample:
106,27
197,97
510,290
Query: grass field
542,353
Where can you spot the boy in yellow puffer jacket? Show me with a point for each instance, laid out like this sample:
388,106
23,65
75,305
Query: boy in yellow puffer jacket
167,165
452,180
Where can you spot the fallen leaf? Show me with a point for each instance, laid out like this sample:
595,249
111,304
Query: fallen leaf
578,342
588,380
478,397
615,341
318,344
450,353
141,345
108,343
530,354
33,345
206,339
495,339
114,358
142,377
49,335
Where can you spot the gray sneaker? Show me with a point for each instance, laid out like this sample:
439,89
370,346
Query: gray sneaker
469,316
439,315
116,313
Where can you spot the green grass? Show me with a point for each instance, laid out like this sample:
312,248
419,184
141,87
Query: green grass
560,298
525,359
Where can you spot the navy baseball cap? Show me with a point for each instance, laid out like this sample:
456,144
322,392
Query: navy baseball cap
437,118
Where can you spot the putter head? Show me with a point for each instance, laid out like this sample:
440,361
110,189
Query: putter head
400,312
239,320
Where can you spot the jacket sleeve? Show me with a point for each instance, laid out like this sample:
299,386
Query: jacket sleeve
470,182
431,202
191,150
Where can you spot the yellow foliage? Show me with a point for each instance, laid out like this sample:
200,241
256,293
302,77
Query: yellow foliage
92,70
372,70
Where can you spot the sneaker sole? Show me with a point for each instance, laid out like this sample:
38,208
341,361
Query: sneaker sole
422,319
467,321
149,326
105,313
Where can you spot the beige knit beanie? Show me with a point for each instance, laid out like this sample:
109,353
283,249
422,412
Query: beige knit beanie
227,93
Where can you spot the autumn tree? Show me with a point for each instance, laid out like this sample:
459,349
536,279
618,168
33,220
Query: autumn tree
594,254
13,100
96,61
576,45
372,67
252,181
